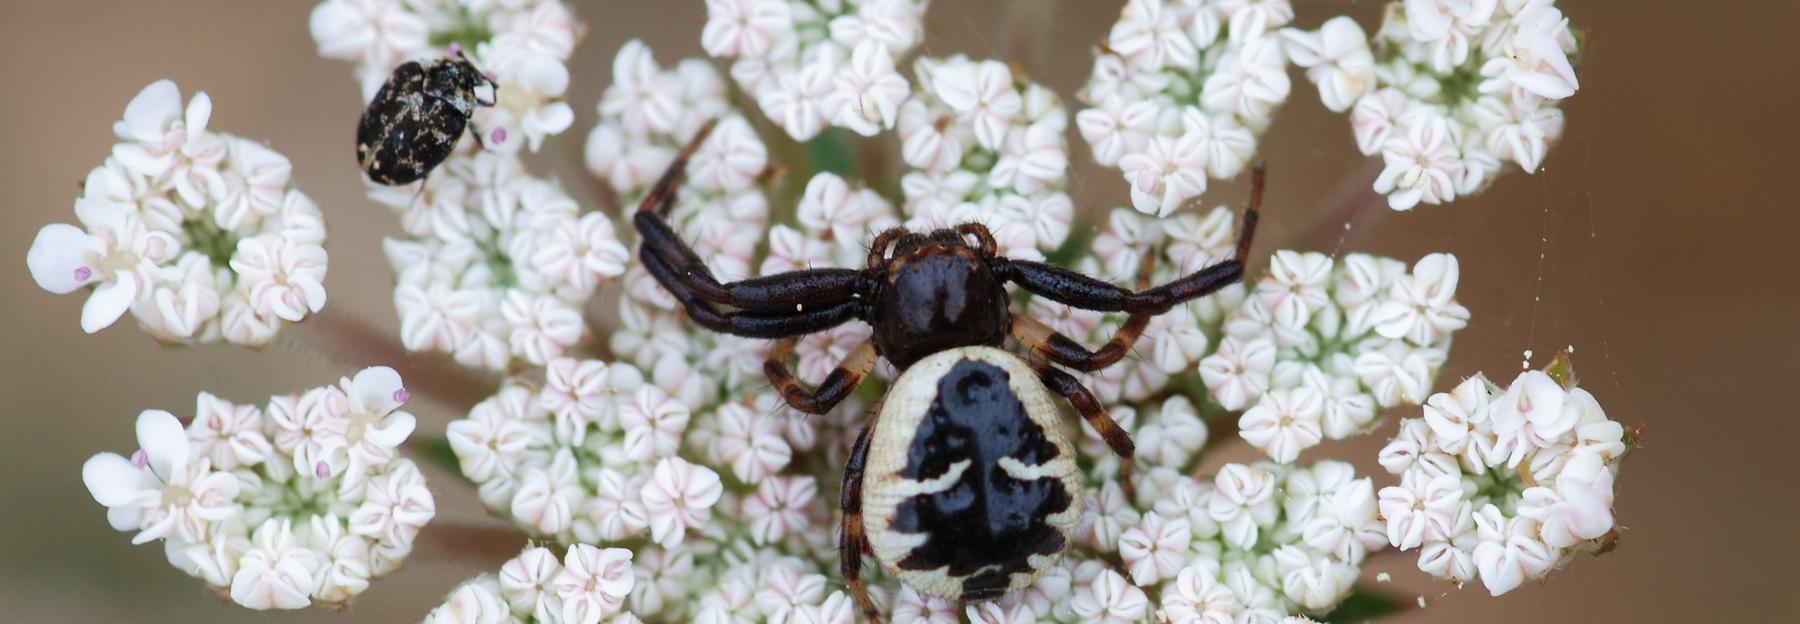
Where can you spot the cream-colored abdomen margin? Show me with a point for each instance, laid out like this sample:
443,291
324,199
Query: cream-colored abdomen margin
901,411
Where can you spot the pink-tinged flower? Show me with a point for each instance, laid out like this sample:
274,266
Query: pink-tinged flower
644,98
744,27
1510,551
1110,599
593,583
1243,501
368,424
653,423
679,496
1421,165
161,491
279,571
616,511
396,505
1336,58
284,279
548,495
867,93
527,582
1156,548
798,101
750,441
1197,597
1284,422
982,93
117,252
779,506
1421,306
1532,411
1421,509
1238,372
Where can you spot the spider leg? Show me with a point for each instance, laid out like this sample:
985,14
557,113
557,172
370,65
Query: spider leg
851,540
837,385
750,323
1072,288
786,291
1051,345
1095,414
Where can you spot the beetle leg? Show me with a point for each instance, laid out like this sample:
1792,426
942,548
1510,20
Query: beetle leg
1091,410
837,385
852,541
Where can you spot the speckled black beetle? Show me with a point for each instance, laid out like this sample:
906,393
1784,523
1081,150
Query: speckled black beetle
963,485
416,118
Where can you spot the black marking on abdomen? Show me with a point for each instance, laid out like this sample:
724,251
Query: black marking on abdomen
985,526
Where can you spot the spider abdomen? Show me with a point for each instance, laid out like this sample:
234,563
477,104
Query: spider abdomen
971,489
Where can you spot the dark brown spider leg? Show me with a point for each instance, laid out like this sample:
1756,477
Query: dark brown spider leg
837,385
1068,387
794,290
1048,344
1071,288
751,324
1053,346
851,540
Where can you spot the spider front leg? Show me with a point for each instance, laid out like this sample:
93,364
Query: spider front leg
1095,414
793,291
1072,288
749,323
842,380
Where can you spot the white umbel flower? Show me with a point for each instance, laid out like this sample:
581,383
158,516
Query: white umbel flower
316,503
1504,485
1216,66
1446,91
198,234
809,65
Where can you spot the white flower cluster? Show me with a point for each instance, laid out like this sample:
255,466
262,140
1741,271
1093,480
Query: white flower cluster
812,63
590,457
523,45
1181,91
199,234
987,147
497,263
1258,543
1319,347
305,501
585,587
1504,485
1451,90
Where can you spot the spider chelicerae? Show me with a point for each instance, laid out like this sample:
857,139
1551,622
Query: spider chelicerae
961,484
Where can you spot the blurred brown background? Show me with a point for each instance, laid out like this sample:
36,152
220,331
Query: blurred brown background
1668,258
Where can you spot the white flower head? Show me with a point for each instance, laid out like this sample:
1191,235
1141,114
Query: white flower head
198,234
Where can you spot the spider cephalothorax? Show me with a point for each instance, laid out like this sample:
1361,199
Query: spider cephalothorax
962,484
